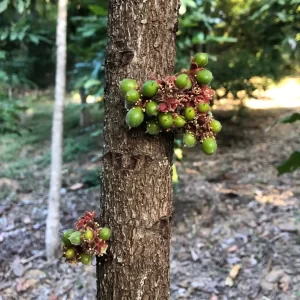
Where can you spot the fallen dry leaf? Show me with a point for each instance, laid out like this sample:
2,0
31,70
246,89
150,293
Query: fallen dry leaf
229,282
235,271
76,186
191,171
23,284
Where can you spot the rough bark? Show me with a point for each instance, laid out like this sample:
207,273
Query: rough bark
136,197
52,225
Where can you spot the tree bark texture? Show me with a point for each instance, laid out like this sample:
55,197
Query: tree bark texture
136,192
52,225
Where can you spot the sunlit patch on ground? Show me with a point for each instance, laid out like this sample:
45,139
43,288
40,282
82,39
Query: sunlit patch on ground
276,198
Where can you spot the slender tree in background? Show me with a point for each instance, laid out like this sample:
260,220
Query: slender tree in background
52,230
136,196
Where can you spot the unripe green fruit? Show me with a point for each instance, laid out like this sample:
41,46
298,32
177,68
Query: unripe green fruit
127,85
189,113
75,238
153,128
86,259
151,108
179,121
189,85
150,88
105,234
215,126
165,120
204,77
201,59
132,96
182,81
70,253
203,107
135,117
209,146
65,237
189,139
88,235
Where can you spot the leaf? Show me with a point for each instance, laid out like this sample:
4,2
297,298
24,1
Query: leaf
98,10
91,82
291,118
20,6
75,238
3,5
290,165
34,38
235,271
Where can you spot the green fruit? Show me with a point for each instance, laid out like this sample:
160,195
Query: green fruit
181,81
150,88
151,108
203,107
135,117
132,96
201,59
86,259
204,77
189,85
70,253
153,128
189,139
215,126
127,85
105,234
65,237
179,121
75,238
189,113
88,235
165,120
209,146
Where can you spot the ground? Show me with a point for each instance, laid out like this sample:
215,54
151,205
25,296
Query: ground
236,225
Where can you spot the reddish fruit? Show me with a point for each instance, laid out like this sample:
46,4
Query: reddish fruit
127,85
150,88
132,96
105,234
165,120
179,121
209,146
65,237
86,259
182,80
153,128
70,253
201,59
189,139
189,113
151,108
215,126
203,107
204,77
88,235
135,117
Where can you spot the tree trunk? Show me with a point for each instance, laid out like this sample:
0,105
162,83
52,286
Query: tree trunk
136,192
53,224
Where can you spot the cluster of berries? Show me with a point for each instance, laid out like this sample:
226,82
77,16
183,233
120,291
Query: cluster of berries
87,240
180,102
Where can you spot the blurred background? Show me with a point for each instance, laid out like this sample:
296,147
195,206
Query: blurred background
237,233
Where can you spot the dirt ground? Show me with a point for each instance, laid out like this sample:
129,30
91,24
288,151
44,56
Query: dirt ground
236,229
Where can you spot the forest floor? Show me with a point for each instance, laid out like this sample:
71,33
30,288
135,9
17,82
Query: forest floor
249,249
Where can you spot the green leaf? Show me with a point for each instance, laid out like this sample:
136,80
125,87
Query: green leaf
290,165
91,82
3,5
34,38
98,10
20,6
2,54
75,238
291,118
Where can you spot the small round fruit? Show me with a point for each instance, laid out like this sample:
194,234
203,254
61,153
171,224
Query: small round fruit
151,108
132,96
150,88
204,77
127,85
75,238
203,107
153,128
179,121
70,253
165,120
88,235
181,81
86,259
201,59
65,237
209,146
189,139
135,117
105,234
189,85
189,113
215,126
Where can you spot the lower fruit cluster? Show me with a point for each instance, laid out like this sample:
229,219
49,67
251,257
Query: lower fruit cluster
88,240
179,103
